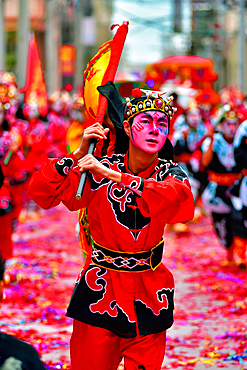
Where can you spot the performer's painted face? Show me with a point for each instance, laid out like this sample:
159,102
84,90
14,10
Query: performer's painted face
57,105
230,127
193,117
238,102
34,111
149,131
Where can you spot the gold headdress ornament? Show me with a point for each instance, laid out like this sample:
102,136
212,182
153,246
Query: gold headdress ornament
226,112
231,115
152,101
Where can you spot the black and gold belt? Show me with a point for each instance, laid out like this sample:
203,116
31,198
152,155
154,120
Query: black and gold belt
127,262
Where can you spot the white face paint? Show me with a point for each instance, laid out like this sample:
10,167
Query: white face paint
230,127
238,102
57,105
34,111
193,118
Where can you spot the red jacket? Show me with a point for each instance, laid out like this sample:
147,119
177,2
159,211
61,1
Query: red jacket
128,217
16,169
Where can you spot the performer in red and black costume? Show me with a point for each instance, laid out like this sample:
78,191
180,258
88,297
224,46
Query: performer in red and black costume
224,169
122,303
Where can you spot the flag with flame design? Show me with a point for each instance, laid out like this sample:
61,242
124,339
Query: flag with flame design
101,69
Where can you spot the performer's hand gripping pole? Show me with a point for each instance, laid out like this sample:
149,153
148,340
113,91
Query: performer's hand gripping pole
83,178
115,47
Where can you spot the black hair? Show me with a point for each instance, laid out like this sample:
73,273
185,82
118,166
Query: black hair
5,125
131,121
175,96
19,113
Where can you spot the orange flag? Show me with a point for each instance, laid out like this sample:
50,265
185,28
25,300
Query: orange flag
34,88
101,69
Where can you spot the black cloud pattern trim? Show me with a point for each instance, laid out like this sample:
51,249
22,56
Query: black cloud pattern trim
64,165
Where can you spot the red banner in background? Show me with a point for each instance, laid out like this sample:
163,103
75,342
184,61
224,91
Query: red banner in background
67,57
35,89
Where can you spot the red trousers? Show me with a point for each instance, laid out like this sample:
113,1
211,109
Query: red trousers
96,348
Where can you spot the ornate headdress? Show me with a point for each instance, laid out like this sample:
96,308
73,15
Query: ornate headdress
231,115
151,101
226,112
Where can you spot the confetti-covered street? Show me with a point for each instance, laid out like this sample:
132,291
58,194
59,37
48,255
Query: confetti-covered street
210,329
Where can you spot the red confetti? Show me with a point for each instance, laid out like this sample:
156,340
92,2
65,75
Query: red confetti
210,327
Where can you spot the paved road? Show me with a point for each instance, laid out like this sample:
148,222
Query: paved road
210,329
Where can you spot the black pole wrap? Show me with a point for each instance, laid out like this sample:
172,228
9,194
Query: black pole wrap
83,178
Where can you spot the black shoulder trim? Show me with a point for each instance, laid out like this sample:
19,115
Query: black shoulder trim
64,165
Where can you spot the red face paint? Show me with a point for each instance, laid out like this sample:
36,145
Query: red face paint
149,131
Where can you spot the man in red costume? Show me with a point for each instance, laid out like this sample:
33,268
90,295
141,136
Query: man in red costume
122,304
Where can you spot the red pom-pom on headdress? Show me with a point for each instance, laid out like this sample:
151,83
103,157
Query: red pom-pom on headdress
136,93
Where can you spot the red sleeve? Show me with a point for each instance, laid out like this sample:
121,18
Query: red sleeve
57,181
170,198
